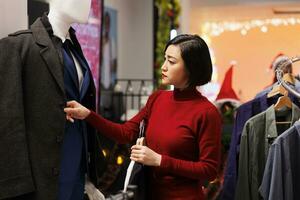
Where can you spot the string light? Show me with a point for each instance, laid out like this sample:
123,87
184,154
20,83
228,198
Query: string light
120,160
264,29
217,28
243,31
104,152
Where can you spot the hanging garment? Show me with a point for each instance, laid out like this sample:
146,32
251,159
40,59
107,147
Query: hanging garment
259,132
281,180
75,145
244,112
32,117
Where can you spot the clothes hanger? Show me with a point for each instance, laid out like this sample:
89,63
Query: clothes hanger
283,101
288,77
279,89
279,76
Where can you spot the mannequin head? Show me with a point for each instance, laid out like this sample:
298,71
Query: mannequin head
71,11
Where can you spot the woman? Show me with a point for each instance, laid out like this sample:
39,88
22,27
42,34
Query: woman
183,127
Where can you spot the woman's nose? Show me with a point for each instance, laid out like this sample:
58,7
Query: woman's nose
164,67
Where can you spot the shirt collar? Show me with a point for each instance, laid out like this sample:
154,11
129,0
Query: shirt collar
49,29
271,120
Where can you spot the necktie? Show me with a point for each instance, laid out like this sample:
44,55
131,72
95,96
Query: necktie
69,62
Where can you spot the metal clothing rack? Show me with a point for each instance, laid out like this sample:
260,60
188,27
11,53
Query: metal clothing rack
129,93
279,75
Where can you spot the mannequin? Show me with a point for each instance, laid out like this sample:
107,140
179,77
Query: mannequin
43,157
63,13
61,16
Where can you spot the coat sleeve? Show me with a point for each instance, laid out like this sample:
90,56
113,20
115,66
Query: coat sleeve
15,172
230,174
279,175
243,182
272,185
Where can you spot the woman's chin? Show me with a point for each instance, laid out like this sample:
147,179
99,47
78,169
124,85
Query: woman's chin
164,82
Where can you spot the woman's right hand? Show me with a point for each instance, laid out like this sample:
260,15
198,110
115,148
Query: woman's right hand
75,110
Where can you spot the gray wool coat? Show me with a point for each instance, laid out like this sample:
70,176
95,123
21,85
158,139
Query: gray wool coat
32,119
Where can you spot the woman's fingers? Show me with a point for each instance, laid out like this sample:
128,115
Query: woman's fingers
69,118
69,111
134,155
136,147
137,157
76,110
137,153
71,104
134,159
73,112
144,155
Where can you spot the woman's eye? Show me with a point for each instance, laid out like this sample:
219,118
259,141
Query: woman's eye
172,62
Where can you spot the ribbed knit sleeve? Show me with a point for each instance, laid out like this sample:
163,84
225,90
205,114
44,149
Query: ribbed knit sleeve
122,133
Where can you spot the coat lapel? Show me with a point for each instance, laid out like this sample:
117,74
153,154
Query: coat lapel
50,55
86,74
84,64
71,69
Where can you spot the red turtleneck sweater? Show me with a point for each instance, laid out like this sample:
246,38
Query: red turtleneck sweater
185,128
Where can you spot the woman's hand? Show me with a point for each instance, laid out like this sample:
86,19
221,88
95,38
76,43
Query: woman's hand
144,155
75,110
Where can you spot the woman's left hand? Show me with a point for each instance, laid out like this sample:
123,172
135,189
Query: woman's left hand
145,155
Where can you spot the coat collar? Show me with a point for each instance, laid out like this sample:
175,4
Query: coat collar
49,43
53,58
42,33
271,119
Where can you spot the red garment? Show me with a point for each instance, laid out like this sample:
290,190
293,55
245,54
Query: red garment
185,128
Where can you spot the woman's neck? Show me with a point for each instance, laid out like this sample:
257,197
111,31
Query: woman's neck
186,86
59,23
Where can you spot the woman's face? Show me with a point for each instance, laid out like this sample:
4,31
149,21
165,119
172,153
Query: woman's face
173,69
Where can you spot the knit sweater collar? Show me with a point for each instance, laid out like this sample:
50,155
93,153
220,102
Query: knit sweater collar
186,94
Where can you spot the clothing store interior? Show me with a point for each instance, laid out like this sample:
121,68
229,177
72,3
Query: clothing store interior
120,58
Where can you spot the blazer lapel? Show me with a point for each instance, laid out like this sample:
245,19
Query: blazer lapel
86,75
85,85
84,64
71,69
77,45
50,55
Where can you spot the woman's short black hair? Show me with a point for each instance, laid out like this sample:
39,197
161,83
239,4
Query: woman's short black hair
196,57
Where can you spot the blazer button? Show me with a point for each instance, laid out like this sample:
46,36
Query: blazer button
59,138
55,171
